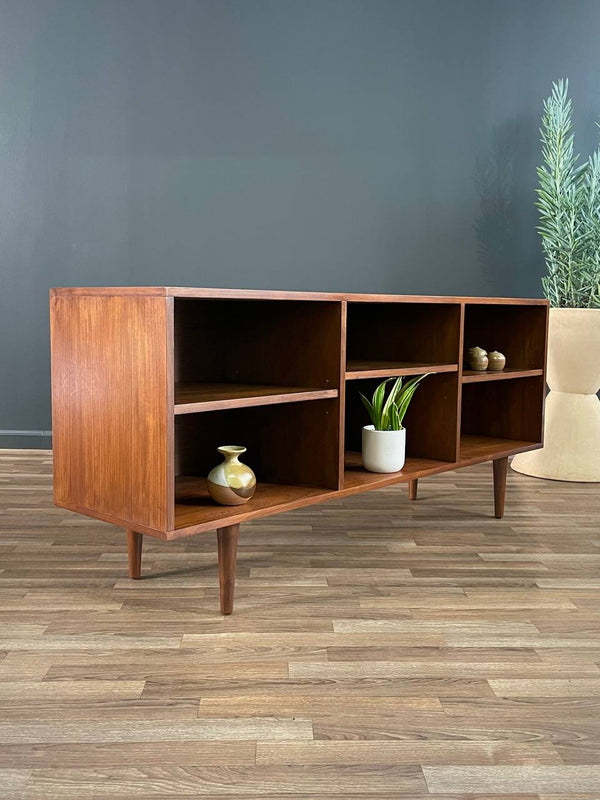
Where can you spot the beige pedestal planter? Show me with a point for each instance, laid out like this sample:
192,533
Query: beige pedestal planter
571,449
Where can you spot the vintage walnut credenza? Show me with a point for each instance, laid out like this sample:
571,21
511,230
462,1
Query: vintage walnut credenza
148,381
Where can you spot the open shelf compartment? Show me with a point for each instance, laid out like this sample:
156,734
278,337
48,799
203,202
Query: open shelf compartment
293,450
387,339
235,353
499,416
517,331
430,422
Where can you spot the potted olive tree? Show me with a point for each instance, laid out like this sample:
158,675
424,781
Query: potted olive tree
569,206
384,440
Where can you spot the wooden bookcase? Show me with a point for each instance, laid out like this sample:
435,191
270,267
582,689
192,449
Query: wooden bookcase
148,381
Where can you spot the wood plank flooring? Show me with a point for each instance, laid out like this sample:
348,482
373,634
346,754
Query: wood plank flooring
378,649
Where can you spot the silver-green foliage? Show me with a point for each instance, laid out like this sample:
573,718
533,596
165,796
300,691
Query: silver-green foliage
569,205
387,414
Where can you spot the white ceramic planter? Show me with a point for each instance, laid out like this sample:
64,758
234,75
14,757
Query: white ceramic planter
383,451
571,449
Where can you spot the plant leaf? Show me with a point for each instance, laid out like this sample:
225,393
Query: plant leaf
395,423
378,397
404,398
389,404
370,409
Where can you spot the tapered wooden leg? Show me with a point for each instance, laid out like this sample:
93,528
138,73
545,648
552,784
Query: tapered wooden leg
500,469
227,543
134,554
412,489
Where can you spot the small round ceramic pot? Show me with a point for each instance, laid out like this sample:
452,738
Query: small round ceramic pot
479,364
383,451
231,483
476,351
496,361
477,358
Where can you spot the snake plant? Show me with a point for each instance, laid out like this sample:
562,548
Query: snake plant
387,413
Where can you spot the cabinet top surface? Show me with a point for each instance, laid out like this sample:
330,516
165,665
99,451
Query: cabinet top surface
260,294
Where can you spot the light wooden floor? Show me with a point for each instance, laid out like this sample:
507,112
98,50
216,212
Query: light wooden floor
378,649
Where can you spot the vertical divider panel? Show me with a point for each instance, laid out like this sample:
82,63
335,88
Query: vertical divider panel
544,376
170,406
461,347
342,395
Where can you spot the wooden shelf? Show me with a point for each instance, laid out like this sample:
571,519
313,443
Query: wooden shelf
195,508
195,512
390,369
356,477
473,449
485,448
476,376
191,398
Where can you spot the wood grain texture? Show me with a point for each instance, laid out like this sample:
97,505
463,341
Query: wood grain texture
380,649
110,407
341,409
191,398
508,780
385,369
476,376
260,294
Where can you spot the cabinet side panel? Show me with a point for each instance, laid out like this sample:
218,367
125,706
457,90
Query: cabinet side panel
110,407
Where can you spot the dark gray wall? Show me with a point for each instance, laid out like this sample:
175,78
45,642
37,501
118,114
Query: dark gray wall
532,43
368,145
